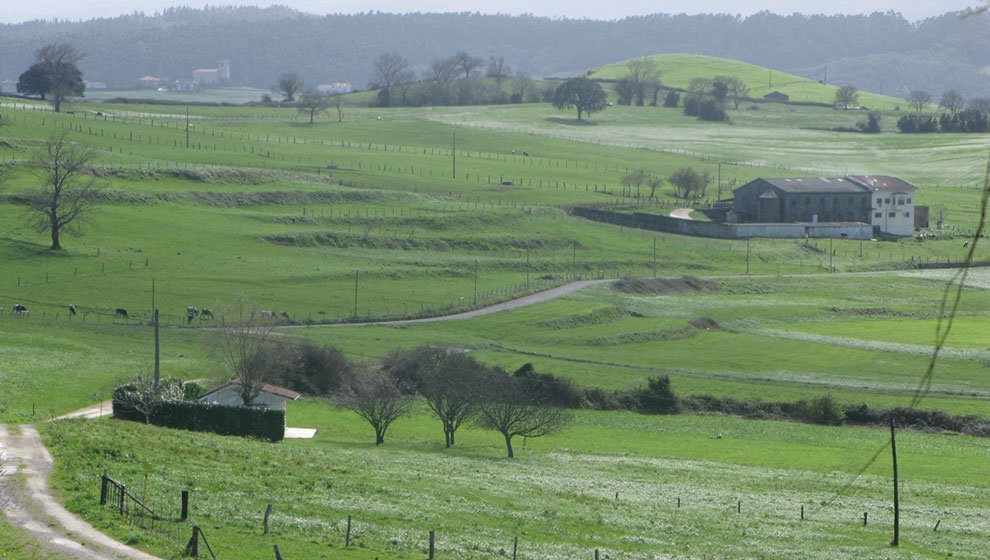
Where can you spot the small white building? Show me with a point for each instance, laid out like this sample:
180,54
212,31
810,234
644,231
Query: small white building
892,205
229,394
335,87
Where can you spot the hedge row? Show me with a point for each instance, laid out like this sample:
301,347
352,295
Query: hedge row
224,420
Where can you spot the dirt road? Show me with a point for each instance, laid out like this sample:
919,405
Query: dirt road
28,504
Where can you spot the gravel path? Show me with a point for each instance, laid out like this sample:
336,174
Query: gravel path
682,213
31,507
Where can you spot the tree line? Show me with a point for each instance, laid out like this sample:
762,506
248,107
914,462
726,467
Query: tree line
875,51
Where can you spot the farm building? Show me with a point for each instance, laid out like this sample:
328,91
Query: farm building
886,203
229,394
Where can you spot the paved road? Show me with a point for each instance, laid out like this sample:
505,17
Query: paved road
682,213
33,509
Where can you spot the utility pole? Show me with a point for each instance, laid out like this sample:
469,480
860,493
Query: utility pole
187,126
897,504
475,281
654,256
719,182
830,253
157,348
747,255
527,267
355,292
574,261
453,171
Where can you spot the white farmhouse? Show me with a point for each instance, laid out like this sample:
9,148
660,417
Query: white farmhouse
229,394
892,205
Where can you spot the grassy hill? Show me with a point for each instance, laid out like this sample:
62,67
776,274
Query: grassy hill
677,70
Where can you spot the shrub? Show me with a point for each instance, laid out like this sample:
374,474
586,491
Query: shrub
672,99
192,390
658,396
316,370
709,110
546,388
692,105
872,123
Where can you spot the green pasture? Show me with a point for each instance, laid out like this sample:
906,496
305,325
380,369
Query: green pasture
677,70
610,482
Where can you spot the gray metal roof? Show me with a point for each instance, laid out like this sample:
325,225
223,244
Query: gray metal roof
811,185
883,183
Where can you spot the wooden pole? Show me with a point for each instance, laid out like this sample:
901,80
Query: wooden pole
185,506
278,555
103,488
268,513
897,504
432,542
157,354
347,537
515,547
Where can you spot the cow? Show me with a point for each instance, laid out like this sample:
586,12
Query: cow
191,313
120,312
526,154
206,313
20,309
266,314
284,315
72,310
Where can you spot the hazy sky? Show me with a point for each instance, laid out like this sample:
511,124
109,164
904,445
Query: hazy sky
15,11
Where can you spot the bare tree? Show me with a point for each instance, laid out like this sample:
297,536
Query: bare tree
845,97
700,87
443,71
636,178
507,409
143,394
498,69
951,101
451,390
643,78
311,103
467,63
654,181
67,192
524,86
58,61
390,69
243,339
735,88
981,104
288,85
918,99
374,396
338,104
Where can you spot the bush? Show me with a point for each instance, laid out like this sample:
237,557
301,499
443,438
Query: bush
317,370
192,390
224,420
917,123
658,397
872,123
672,99
691,106
548,389
709,110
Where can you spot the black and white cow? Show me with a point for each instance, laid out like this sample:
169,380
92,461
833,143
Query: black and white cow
72,310
120,312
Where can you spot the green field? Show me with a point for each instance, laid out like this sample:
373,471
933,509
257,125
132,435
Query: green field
381,217
610,482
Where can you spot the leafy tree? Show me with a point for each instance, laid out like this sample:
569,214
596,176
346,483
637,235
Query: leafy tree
918,99
67,193
719,92
711,110
390,69
451,389
658,396
689,183
872,123
311,103
951,101
288,85
625,89
587,96
498,69
375,397
467,63
845,97
672,99
59,60
509,410
692,105
34,81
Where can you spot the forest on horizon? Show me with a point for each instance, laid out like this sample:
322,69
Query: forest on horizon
880,51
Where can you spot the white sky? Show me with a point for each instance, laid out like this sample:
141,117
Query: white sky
13,11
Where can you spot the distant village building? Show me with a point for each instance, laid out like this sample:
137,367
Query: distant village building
335,87
150,82
184,85
229,394
886,203
777,96
212,76
94,85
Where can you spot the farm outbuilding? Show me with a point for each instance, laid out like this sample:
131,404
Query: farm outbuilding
229,394
885,203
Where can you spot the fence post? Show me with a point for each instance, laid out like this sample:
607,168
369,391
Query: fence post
278,555
123,494
347,537
268,512
185,506
103,488
432,540
515,547
192,549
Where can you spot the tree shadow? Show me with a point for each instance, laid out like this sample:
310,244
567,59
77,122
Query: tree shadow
570,122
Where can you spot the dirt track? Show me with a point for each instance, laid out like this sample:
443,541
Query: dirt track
31,507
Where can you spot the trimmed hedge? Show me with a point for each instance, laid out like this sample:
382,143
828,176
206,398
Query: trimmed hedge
224,420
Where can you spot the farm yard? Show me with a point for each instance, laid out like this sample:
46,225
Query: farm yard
406,213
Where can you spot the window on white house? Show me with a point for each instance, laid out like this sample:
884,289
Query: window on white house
891,214
878,215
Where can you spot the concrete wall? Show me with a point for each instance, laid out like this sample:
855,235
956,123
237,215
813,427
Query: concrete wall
842,230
